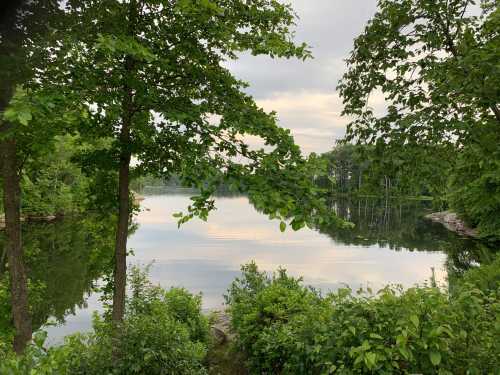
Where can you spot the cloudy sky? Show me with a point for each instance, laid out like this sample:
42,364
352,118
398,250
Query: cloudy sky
303,93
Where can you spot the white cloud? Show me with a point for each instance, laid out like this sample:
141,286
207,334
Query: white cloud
313,117
303,92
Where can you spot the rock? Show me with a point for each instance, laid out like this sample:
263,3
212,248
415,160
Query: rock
221,328
219,335
453,223
137,197
47,218
30,218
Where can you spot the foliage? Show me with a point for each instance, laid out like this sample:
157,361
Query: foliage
474,190
486,277
435,65
53,184
163,70
284,327
73,252
358,169
177,302
163,332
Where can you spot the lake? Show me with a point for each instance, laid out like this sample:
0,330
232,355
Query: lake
391,243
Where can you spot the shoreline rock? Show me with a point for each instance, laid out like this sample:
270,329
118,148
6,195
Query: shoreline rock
137,197
452,222
224,358
30,219
221,327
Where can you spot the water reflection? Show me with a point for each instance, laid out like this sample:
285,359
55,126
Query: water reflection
207,255
64,260
68,257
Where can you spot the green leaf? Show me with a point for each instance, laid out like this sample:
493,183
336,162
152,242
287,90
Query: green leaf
282,226
404,352
370,360
415,320
435,358
24,117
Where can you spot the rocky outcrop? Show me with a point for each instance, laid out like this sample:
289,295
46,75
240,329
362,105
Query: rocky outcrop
452,222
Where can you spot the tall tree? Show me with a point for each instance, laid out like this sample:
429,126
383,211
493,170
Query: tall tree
152,74
436,65
22,24
10,53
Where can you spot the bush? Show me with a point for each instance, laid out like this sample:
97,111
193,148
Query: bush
486,277
163,332
286,328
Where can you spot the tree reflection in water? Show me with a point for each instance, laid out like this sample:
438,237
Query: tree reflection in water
64,261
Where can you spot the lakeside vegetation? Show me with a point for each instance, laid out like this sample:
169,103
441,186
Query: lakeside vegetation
284,327
101,98
53,184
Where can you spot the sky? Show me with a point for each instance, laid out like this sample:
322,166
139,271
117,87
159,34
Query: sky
304,93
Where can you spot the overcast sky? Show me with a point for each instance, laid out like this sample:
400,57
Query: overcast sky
303,93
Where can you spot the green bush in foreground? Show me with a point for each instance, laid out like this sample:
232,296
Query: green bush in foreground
286,328
163,332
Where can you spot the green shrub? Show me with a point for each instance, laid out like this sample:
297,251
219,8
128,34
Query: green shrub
486,277
163,333
153,343
182,306
286,328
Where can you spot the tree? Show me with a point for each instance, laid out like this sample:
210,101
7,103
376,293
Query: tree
10,39
23,25
152,75
436,64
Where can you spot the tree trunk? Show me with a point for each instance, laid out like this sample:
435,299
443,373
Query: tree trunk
120,272
14,249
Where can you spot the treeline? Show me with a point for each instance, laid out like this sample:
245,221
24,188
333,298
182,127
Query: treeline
368,170
465,181
434,66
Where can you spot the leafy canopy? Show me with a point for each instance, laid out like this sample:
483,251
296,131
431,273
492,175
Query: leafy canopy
163,63
436,64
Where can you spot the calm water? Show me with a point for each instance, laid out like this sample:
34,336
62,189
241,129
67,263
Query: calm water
391,244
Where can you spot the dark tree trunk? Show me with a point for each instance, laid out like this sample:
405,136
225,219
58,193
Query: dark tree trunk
120,271
128,109
14,249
